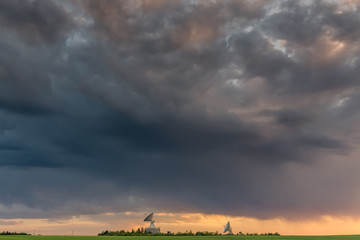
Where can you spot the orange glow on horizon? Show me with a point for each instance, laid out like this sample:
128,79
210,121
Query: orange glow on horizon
181,222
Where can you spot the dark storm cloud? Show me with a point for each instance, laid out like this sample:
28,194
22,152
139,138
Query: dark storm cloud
306,23
130,105
288,117
33,20
311,32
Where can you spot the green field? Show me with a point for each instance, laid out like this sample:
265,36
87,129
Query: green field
339,237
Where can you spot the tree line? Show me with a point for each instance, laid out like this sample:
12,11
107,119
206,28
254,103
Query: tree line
143,232
12,233
256,234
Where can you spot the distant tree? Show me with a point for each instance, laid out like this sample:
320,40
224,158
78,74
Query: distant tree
142,232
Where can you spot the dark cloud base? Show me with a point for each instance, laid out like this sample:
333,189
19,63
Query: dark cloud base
217,107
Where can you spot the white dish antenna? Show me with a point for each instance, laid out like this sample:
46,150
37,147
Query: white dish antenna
151,228
228,228
149,218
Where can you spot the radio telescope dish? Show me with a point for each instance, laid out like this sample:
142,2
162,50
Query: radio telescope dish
149,218
151,228
228,228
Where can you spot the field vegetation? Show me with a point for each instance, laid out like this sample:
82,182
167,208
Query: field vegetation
219,237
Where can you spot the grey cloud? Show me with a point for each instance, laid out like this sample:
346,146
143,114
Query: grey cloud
306,23
303,25
180,96
34,20
288,117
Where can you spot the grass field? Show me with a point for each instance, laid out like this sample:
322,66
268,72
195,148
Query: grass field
339,237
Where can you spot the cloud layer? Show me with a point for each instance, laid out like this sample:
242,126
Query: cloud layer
246,108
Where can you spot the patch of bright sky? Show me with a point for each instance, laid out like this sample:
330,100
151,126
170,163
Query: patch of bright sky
351,61
272,8
340,102
279,44
234,83
77,37
237,26
75,40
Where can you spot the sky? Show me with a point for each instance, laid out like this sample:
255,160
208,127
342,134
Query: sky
200,111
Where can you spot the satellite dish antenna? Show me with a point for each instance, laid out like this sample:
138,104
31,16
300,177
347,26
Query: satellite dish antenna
151,228
149,218
228,228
